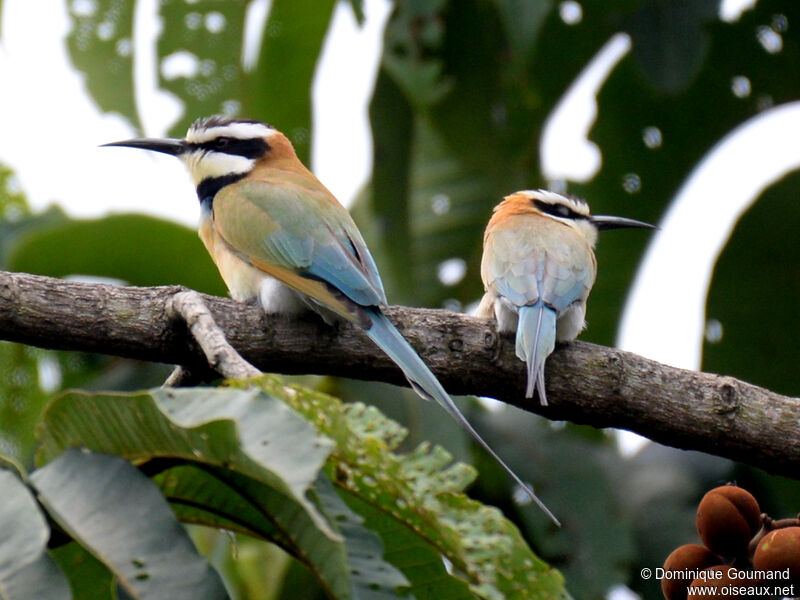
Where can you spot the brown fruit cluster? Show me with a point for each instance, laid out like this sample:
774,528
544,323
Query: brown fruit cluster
741,548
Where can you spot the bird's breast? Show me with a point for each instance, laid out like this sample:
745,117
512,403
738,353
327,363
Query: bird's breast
243,281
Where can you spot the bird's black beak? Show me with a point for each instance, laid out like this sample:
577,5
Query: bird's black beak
603,222
166,145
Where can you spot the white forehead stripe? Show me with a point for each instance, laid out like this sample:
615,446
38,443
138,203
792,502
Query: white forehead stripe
579,206
242,131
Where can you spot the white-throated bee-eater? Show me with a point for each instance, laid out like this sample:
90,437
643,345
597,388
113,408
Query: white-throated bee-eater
538,267
278,236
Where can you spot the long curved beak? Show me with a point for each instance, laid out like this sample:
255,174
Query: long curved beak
603,222
166,145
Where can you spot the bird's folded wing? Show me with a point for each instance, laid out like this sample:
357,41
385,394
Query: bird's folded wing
302,237
521,270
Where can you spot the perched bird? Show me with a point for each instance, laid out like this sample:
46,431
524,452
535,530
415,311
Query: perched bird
279,237
538,267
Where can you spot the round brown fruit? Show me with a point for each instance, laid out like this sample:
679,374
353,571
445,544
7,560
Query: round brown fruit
687,557
710,586
736,586
727,519
780,550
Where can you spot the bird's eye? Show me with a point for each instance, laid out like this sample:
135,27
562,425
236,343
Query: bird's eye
221,143
562,211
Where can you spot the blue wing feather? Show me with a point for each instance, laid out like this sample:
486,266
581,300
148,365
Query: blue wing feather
271,223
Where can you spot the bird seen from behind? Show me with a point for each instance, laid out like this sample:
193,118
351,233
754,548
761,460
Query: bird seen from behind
538,267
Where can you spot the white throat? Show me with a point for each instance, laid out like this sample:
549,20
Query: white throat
205,164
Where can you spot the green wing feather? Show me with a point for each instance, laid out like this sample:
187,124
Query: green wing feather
305,230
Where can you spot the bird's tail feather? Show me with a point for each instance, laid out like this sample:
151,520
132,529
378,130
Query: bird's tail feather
425,383
536,338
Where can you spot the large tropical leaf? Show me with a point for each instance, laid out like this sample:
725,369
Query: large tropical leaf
421,492
200,57
21,399
279,87
113,510
661,111
254,483
89,578
26,571
575,471
137,249
244,431
754,293
100,44
350,567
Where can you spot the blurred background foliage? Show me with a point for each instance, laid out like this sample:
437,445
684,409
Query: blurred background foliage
461,96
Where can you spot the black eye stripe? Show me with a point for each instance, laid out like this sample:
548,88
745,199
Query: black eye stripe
558,210
249,148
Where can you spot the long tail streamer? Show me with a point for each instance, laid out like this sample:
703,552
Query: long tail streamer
424,382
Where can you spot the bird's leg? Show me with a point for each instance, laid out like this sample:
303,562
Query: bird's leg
221,356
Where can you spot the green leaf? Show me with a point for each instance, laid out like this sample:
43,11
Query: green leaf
414,555
690,103
90,579
13,204
421,491
351,567
244,431
754,292
13,231
221,496
100,44
26,571
670,41
200,57
447,208
21,399
221,499
392,120
138,249
372,577
110,508
358,10
279,88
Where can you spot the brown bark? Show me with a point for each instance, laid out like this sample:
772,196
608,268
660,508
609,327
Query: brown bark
586,383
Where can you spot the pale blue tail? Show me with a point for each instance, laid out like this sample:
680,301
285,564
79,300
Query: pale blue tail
386,336
536,338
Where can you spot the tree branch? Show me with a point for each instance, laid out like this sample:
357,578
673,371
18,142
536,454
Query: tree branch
586,383
221,357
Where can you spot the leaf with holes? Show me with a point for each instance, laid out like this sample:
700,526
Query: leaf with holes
422,493
100,44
